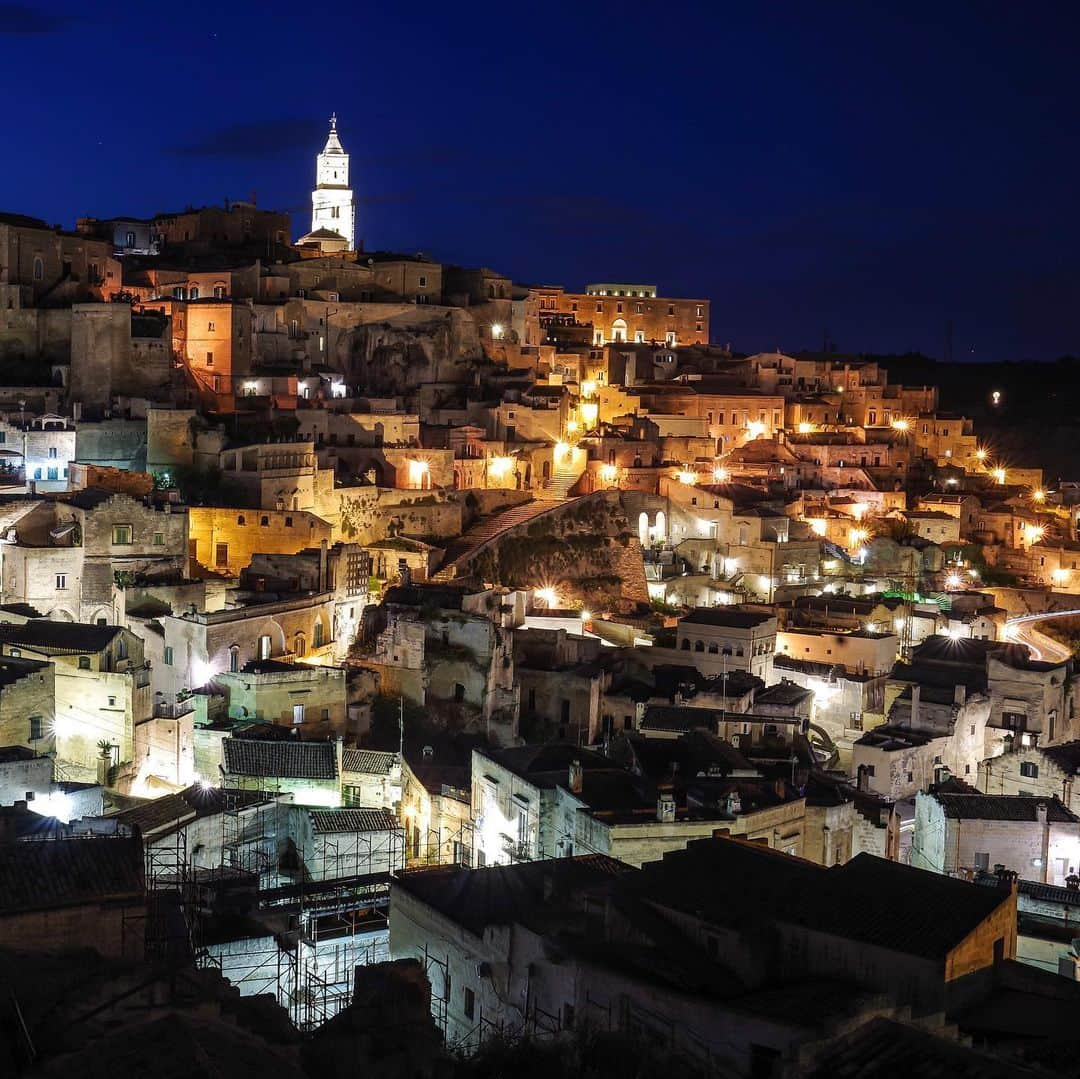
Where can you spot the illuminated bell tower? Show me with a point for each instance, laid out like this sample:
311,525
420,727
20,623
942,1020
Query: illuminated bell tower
332,199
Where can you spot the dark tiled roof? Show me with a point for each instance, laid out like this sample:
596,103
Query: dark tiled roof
782,693
725,616
175,809
886,1047
284,760
59,636
868,899
353,820
663,717
548,764
65,872
500,895
370,761
1018,807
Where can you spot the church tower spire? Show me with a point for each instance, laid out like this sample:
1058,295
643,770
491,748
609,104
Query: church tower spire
332,199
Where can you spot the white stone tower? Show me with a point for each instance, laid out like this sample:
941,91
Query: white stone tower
332,199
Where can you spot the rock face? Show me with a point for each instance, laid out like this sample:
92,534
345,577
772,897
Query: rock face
397,356
585,550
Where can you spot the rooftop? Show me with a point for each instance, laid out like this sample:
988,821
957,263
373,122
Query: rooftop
1018,807
68,872
729,617
280,759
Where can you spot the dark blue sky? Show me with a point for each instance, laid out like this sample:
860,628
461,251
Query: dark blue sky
875,169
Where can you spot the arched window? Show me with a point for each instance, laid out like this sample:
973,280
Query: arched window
234,659
300,645
39,268
686,645
84,663
194,293
317,636
699,646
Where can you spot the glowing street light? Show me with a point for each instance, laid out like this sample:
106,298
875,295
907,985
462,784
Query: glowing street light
999,475
980,454
588,411
900,424
496,332
687,477
953,580
548,597
806,428
608,473
720,475
755,428
1038,495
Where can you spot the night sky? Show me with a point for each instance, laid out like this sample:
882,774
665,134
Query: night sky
877,170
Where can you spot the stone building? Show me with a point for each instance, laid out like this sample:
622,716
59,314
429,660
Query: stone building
870,928
626,313
964,833
66,553
199,645
729,638
63,895
306,699
102,691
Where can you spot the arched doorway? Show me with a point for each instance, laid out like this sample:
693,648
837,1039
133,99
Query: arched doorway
643,528
618,330
661,526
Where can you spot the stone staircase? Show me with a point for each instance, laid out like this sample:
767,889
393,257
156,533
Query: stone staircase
567,472
486,530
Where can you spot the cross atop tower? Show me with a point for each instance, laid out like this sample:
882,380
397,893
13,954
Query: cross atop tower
333,121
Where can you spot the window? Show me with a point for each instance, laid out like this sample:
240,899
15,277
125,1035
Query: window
159,539
470,1003
61,582
423,282
39,268
264,521
35,728
209,325
209,359
1029,770
15,653
121,535
264,647
52,474
982,859
52,453
112,702
288,522
168,655
317,636
325,714
298,713
234,659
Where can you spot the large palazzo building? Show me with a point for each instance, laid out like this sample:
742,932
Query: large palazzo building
625,312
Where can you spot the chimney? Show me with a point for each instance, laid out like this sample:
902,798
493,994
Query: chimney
862,780
916,693
1040,812
959,694
665,805
576,777
322,565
